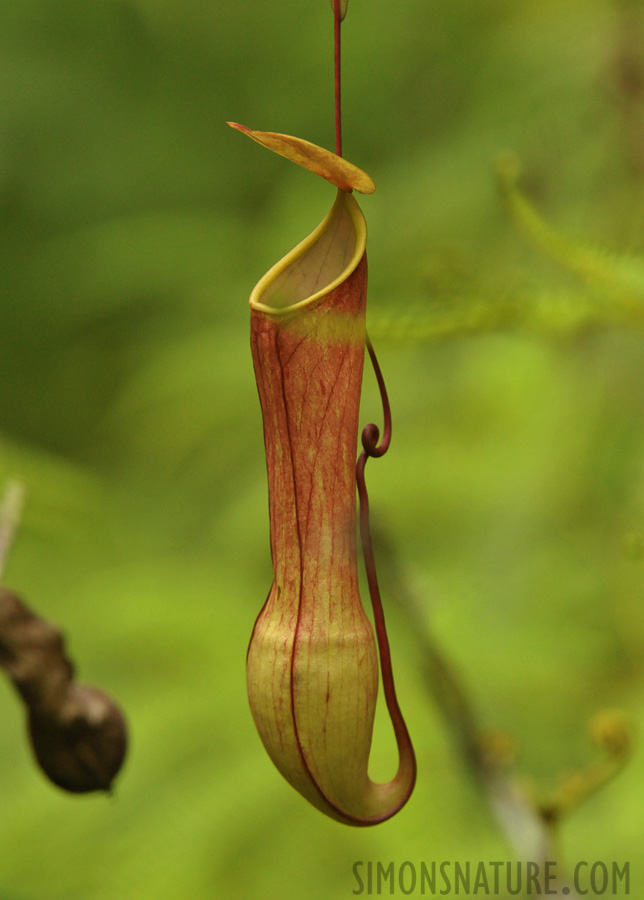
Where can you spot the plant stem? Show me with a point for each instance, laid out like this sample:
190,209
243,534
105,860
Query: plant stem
10,512
337,66
517,815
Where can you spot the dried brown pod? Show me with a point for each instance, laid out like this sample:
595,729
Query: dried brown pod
78,733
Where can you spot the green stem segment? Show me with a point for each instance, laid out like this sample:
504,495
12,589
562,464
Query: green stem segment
10,512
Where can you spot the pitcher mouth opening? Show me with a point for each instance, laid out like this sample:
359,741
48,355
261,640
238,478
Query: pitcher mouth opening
318,264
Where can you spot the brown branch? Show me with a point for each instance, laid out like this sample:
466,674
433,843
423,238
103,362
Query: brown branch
78,734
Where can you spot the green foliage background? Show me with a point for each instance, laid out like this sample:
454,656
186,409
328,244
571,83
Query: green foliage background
134,225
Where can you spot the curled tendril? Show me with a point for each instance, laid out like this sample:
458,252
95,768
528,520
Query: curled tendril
371,447
371,432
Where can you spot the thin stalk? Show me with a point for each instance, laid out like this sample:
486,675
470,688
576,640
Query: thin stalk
337,21
10,512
